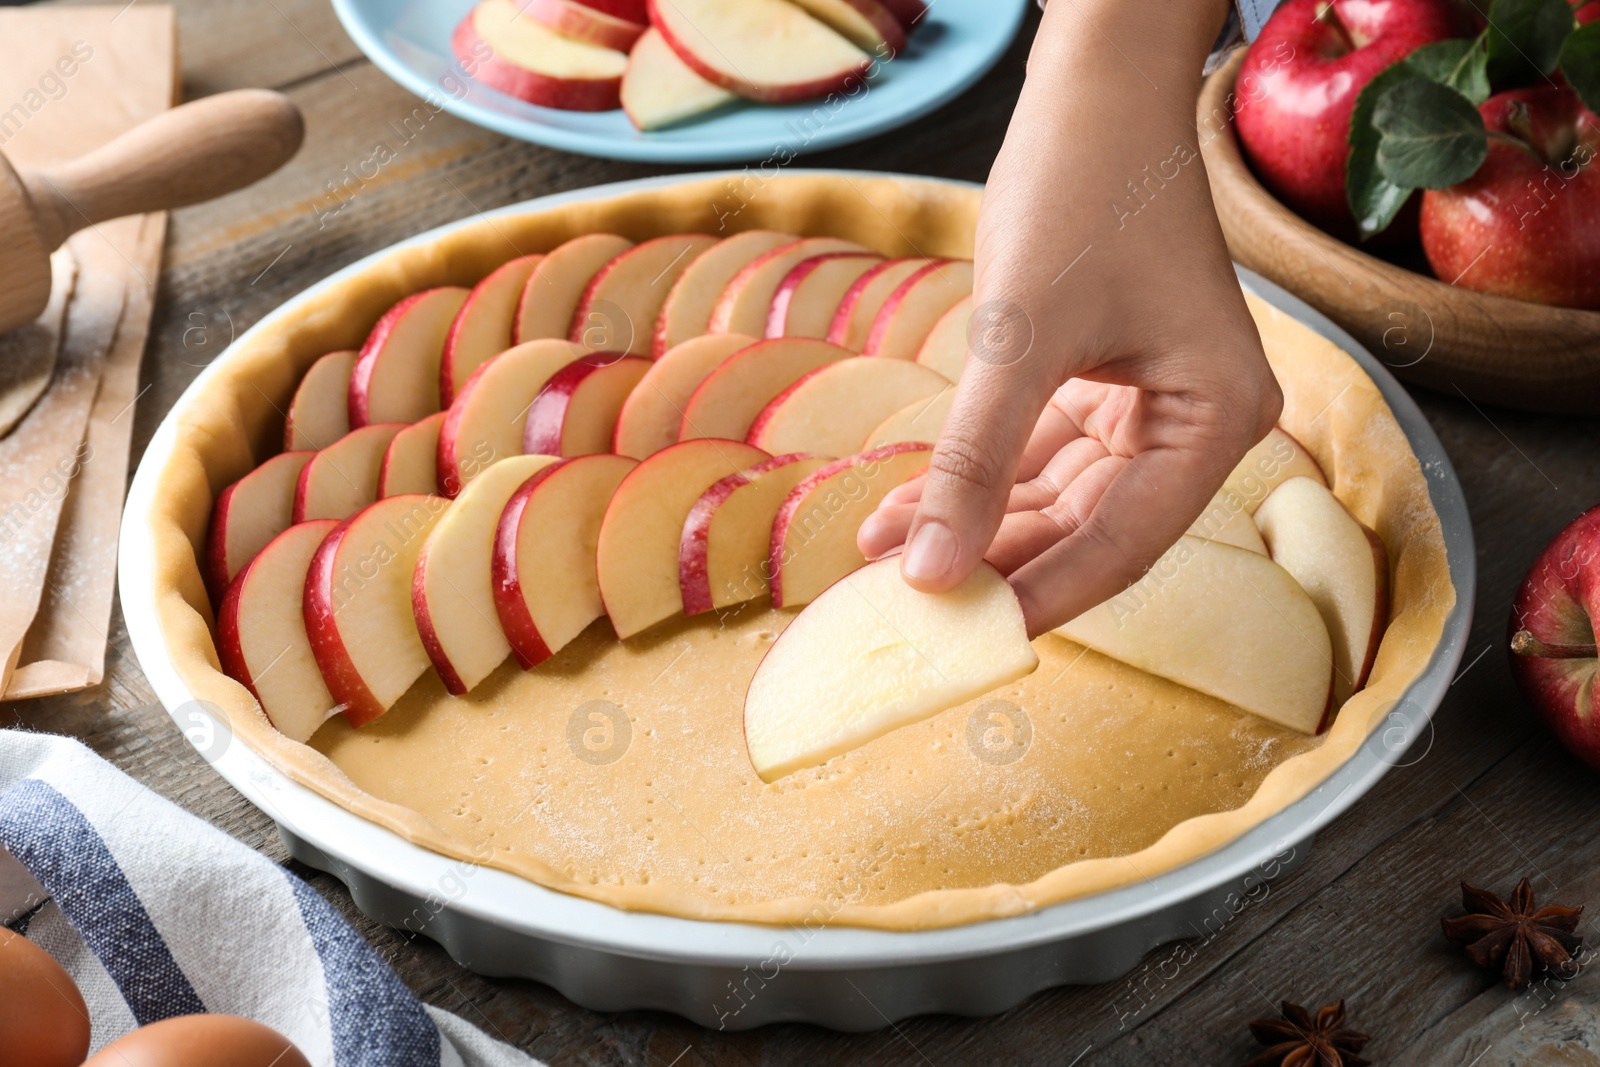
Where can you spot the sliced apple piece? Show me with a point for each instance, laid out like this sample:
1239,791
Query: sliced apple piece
687,311
852,322
1342,566
832,410
1226,519
319,414
1275,459
919,421
638,11
745,303
660,90
1224,621
248,514
486,420
580,22
546,587
510,52
723,553
867,24
261,633
945,349
909,315
618,310
909,12
358,604
482,328
809,294
653,413
452,590
637,553
559,281
814,533
872,654
396,376
766,50
343,478
411,462
575,414
727,402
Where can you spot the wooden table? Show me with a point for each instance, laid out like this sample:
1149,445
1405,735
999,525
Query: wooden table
1492,799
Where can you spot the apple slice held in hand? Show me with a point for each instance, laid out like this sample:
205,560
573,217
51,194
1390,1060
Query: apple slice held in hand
872,654
909,315
261,633
508,51
852,322
1275,459
411,462
546,587
248,514
1341,565
482,328
653,413
452,591
396,377
834,409
358,604
343,478
618,309
575,414
732,395
746,302
1224,621
319,414
659,89
637,553
766,50
559,281
686,314
808,296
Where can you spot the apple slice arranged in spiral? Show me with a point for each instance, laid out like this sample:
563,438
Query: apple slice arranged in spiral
921,420
765,50
618,309
508,51
746,302
832,410
909,315
575,414
248,514
686,314
945,349
1226,519
482,328
809,294
859,307
653,413
659,89
319,414
559,281
396,376
728,401
1275,459
872,654
343,478
411,462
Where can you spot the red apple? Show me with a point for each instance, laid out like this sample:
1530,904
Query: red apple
1298,86
1553,637
1527,225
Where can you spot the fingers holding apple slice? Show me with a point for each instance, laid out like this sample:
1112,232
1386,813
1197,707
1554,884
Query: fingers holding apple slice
765,50
871,655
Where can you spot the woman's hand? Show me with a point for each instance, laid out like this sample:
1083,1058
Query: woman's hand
1115,376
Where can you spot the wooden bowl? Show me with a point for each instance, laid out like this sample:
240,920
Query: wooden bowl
1491,349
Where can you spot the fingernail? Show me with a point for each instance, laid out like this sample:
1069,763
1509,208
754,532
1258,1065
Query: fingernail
931,553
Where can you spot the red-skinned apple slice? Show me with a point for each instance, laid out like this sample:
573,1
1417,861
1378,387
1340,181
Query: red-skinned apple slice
909,12
637,553
319,414
813,540
261,633
510,52
919,421
909,315
809,294
653,413
766,50
343,478
945,349
452,589
833,409
396,377
727,402
411,462
485,422
482,328
722,555
745,303
575,414
660,90
618,310
580,22
1342,566
1226,519
559,281
852,322
687,311
1224,621
546,587
248,514
637,11
872,654
1275,459
358,604
867,24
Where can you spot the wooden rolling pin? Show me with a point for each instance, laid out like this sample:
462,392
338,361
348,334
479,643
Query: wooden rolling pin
183,156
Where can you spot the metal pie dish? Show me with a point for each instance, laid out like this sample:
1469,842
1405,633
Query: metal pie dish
735,976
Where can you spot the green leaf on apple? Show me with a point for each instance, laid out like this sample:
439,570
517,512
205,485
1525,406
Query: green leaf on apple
1462,64
1431,136
1374,199
1525,38
1580,62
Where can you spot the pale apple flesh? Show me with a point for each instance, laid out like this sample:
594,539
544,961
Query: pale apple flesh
732,395
852,322
945,349
452,592
319,414
871,655
343,478
618,309
411,462
832,410
396,376
1275,459
652,415
746,302
809,295
546,585
867,24
919,421
765,50
559,281
686,314
575,414
1227,622
518,56
248,514
1226,519
660,90
910,313
261,633
482,328
580,22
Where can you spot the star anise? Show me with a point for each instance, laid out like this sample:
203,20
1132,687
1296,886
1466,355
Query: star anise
1512,938
1298,1040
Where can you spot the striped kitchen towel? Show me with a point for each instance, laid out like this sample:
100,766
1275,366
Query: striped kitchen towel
155,913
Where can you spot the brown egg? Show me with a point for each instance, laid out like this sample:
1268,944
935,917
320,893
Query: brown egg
201,1041
43,1021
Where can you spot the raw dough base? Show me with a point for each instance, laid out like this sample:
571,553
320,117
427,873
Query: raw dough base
28,353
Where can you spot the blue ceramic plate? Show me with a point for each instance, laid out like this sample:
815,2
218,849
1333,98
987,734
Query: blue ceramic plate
957,43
